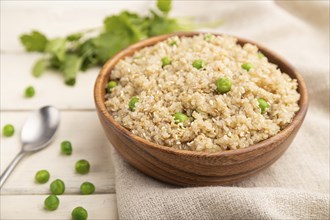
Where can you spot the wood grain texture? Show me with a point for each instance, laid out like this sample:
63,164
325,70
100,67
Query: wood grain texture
30,207
57,18
188,168
50,88
88,142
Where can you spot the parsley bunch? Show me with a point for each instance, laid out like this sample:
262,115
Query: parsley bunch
82,50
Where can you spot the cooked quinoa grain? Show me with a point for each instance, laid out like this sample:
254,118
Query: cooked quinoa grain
218,121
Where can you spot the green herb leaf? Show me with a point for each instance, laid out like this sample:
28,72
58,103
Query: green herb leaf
128,24
35,41
120,31
87,52
70,68
107,44
57,47
55,63
162,25
74,37
40,66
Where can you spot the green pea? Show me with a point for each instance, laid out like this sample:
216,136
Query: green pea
263,105
8,130
261,55
166,61
198,64
208,37
82,166
172,43
29,91
42,176
111,84
223,85
51,202
79,213
180,117
131,104
87,188
66,147
57,187
246,66
164,5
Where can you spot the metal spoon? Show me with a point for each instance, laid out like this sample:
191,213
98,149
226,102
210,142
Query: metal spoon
38,131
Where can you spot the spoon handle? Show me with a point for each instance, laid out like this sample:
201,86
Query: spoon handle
11,167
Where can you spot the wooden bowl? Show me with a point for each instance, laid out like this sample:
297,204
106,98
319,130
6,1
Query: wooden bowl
189,168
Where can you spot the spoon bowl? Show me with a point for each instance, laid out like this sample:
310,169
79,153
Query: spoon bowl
38,131
40,128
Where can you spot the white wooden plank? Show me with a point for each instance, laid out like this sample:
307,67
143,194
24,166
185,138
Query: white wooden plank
89,142
50,88
31,207
57,18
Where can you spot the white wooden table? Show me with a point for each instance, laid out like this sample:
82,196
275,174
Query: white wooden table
21,197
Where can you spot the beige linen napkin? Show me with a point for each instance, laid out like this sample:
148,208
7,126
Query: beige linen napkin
297,185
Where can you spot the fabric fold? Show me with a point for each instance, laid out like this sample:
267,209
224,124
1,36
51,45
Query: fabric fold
141,197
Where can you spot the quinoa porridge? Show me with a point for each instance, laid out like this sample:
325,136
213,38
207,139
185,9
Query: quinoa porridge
202,93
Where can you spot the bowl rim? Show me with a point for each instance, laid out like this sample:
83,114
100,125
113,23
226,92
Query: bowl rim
99,93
